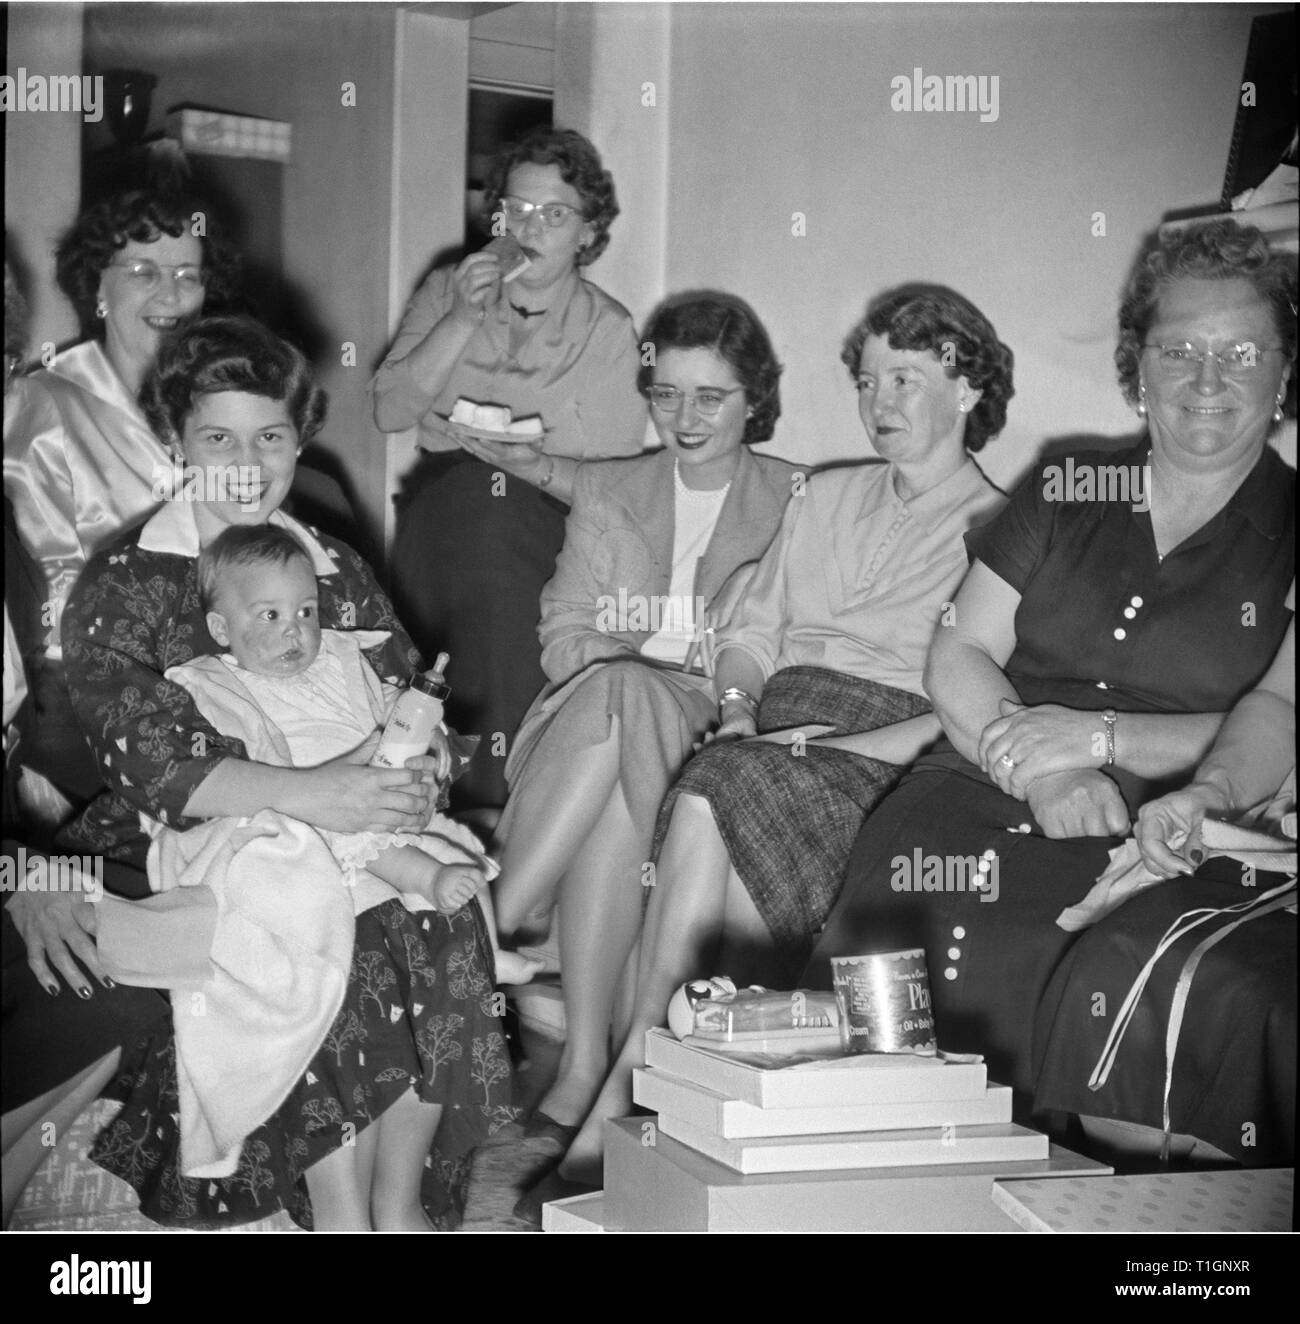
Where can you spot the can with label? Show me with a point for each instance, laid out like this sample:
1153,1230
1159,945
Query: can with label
884,1002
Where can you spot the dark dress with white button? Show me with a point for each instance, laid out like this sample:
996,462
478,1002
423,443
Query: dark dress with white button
1103,622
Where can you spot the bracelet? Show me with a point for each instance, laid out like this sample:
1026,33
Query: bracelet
734,694
1109,717
550,472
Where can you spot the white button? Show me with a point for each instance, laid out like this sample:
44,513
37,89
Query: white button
950,972
1121,633
1135,601
984,866
954,953
959,932
989,854
1129,613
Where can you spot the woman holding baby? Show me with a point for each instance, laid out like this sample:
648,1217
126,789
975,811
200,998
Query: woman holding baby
490,515
415,1050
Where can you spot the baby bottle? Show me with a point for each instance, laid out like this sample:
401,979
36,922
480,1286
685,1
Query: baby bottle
416,716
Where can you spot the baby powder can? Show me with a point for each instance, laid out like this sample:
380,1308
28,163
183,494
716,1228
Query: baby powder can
884,1002
416,715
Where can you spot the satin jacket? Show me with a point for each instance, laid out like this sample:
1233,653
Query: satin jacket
80,463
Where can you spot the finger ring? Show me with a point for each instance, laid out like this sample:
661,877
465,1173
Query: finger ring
1007,761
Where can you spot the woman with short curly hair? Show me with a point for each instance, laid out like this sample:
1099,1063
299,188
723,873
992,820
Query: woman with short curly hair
236,403
538,338
1111,615
831,633
652,546
81,462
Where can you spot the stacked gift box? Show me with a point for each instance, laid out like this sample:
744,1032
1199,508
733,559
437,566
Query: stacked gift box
873,1142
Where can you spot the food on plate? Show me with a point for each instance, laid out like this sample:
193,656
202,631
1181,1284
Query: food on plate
514,261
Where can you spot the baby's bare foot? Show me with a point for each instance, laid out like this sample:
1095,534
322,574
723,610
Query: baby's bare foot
512,968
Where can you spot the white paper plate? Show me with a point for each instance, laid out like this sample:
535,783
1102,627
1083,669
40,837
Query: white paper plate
458,430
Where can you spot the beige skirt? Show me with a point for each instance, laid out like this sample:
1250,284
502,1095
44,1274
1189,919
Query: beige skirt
660,715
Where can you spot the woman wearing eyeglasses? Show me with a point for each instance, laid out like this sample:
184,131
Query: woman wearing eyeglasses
652,546
1099,637
80,461
488,516
831,635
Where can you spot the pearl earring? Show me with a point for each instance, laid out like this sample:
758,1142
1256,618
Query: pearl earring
1142,400
101,310
1277,412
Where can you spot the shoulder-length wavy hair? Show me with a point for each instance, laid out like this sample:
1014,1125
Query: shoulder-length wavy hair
106,227
726,324
1216,250
580,167
919,316
214,354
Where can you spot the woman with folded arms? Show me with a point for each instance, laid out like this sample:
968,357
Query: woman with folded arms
1095,646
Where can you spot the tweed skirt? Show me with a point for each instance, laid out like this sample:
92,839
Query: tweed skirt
789,817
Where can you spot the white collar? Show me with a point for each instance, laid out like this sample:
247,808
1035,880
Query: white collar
174,530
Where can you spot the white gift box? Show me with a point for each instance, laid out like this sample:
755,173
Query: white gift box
211,133
656,1184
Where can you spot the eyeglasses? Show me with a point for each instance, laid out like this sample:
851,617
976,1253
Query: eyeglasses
147,275
1184,360
668,399
554,214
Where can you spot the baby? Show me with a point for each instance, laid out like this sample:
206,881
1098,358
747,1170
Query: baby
311,694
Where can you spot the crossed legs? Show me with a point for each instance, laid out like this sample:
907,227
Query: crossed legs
696,899
577,844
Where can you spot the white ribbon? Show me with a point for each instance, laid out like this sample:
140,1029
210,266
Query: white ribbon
1277,898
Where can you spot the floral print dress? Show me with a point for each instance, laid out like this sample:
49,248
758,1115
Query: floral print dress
420,1011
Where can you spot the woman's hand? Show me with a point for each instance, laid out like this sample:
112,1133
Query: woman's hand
56,927
1026,744
739,725
474,286
346,797
514,458
1169,829
440,753
1078,803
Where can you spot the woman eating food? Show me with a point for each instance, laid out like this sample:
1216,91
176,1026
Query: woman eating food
537,339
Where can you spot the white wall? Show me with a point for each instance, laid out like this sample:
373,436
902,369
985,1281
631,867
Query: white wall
759,111
612,82
1125,110
289,62
783,108
43,164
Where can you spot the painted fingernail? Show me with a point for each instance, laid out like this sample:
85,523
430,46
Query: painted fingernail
51,989
107,982
1196,856
84,993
